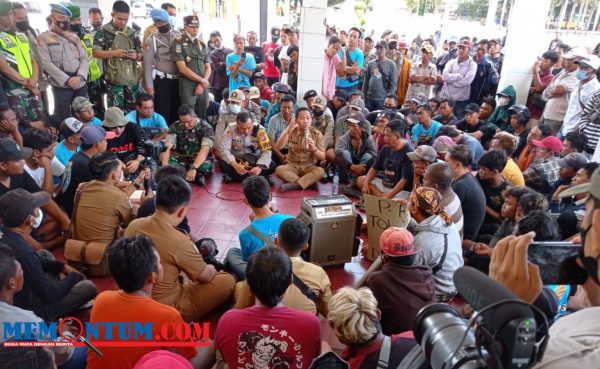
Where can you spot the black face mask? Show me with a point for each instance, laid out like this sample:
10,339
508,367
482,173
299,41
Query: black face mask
318,112
23,26
590,264
391,111
76,28
96,25
65,26
164,28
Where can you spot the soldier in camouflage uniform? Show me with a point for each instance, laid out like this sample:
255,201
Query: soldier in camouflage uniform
246,150
20,70
124,95
190,141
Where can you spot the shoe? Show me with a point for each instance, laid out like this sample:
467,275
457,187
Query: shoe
227,179
351,191
200,181
270,180
290,187
314,186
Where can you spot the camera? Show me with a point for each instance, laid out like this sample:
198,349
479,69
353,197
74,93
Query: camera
151,151
208,249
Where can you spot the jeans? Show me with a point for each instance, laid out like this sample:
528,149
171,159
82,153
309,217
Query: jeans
459,108
226,168
235,264
78,360
348,90
373,105
344,160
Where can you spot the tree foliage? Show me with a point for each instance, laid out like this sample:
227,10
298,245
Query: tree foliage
473,9
334,2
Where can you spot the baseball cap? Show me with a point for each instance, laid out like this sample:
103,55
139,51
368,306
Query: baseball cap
191,20
259,75
396,241
573,160
443,144
381,44
10,150
292,29
81,103
320,102
254,92
472,108
358,104
275,31
237,96
593,187
356,117
341,94
551,143
114,117
428,48
576,52
420,99
244,88
159,15
94,134
423,152
402,45
309,94
591,61
465,43
18,204
281,87
69,127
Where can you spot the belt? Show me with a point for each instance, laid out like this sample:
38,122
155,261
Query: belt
165,75
444,297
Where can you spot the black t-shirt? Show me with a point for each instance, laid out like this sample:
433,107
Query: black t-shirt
493,198
257,52
148,208
23,181
127,144
76,172
488,130
395,165
472,200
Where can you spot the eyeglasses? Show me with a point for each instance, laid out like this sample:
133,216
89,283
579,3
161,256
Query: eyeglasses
115,128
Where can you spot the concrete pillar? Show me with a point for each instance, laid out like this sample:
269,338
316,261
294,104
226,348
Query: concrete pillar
490,20
312,46
526,27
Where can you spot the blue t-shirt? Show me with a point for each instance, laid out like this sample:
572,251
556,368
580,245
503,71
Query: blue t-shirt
241,79
96,122
475,146
355,56
63,155
423,136
153,125
250,244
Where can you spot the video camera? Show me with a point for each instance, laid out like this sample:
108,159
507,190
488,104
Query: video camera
504,337
151,151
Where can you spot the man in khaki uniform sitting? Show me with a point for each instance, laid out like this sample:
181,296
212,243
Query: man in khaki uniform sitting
202,289
293,238
102,206
305,147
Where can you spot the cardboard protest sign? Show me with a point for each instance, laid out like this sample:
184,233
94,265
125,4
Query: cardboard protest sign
382,214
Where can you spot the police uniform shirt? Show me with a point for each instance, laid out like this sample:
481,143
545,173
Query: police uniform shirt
235,145
298,153
63,57
192,51
158,56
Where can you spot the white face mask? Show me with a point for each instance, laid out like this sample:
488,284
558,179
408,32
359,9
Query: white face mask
38,219
503,101
235,108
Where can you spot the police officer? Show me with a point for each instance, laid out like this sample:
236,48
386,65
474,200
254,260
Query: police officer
190,144
64,61
191,57
228,116
19,70
161,78
121,56
94,81
246,150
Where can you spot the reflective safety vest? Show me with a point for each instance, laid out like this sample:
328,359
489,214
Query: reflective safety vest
18,53
87,42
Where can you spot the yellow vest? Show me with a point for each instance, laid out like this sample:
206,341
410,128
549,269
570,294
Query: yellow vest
88,41
18,53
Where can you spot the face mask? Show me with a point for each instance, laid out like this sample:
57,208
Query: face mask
38,220
391,111
590,264
318,112
503,101
172,20
581,74
63,25
96,25
23,25
235,108
164,28
76,28
274,39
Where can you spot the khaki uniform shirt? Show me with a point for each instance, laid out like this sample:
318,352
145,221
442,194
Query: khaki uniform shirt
298,154
102,209
325,125
63,57
311,274
235,145
177,254
157,55
193,52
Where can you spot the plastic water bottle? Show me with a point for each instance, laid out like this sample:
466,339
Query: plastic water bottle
335,185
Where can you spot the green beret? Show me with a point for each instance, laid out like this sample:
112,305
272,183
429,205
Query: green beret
75,11
5,7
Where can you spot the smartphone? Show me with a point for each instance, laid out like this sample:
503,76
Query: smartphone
556,261
243,55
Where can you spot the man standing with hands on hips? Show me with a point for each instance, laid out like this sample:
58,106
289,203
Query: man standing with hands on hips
191,57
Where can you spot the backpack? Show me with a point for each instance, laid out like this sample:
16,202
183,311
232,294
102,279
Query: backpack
122,71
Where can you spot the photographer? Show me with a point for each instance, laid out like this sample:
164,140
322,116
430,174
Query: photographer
189,145
573,339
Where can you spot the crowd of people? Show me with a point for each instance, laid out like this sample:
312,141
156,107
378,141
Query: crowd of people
423,123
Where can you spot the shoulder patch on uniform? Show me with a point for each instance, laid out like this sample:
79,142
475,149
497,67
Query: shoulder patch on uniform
178,48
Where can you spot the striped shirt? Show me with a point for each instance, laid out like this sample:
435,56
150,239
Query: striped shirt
451,204
589,126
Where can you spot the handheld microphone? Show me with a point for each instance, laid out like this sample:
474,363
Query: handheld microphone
306,136
510,326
